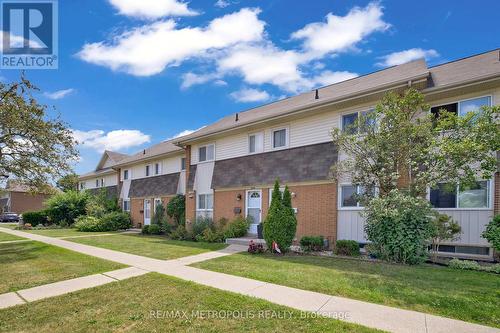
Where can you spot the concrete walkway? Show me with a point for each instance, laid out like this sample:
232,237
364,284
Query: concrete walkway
363,313
67,286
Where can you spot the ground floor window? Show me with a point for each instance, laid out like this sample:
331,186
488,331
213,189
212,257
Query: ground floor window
449,196
349,196
126,205
205,205
473,250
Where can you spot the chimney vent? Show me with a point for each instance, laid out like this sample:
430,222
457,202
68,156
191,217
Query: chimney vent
236,118
144,152
317,94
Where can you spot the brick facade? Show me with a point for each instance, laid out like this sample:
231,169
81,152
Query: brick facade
21,202
226,202
136,212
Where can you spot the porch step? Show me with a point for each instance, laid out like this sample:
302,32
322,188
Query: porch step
245,241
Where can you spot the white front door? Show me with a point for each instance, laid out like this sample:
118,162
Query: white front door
254,209
147,211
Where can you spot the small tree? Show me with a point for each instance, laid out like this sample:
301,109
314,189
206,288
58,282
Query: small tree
176,209
68,182
445,230
34,149
280,223
492,232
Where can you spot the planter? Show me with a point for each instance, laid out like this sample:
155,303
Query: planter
260,228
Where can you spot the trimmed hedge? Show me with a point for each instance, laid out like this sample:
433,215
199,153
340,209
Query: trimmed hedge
347,248
36,218
311,243
109,222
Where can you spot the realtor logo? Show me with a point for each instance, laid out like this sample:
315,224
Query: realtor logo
29,34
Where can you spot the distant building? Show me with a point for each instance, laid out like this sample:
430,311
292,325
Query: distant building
18,199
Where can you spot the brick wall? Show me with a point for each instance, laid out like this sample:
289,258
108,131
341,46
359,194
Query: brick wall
190,208
21,202
226,201
136,206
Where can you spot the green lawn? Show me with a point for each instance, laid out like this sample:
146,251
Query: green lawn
157,247
466,295
127,306
8,225
29,264
8,237
66,232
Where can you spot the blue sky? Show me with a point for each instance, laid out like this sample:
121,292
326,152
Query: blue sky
133,73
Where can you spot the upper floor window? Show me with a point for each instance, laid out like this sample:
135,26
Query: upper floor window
82,186
157,168
206,153
125,174
102,182
183,163
450,196
148,170
461,108
280,138
349,122
97,183
255,143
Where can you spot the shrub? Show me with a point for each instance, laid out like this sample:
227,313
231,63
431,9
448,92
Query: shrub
400,227
311,243
495,268
176,208
154,229
180,233
200,224
116,221
237,228
345,247
35,218
492,232
99,204
89,224
280,223
210,236
145,229
159,217
64,208
464,264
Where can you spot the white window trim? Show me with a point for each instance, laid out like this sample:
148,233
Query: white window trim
339,196
491,96
491,193
150,170
207,160
103,182
287,137
123,205
159,168
185,163
358,111
198,209
129,174
257,151
247,199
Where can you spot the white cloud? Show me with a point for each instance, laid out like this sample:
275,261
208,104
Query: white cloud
113,140
329,77
59,93
250,95
191,79
398,58
341,33
222,3
183,133
149,49
152,9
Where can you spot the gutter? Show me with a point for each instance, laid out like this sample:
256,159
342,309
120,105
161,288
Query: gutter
298,110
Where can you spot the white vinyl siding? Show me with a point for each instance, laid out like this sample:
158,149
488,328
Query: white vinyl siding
166,166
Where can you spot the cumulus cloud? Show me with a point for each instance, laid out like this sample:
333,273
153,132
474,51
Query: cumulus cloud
237,44
222,3
149,49
249,95
341,33
113,140
398,58
59,94
152,9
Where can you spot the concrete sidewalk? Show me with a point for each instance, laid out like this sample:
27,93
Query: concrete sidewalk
363,313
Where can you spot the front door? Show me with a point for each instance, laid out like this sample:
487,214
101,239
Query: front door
147,211
254,209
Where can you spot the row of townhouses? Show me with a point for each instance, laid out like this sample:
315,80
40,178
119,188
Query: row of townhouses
228,168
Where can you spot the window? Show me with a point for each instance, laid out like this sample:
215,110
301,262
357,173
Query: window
449,196
157,202
255,143
97,183
349,195
473,250
349,122
461,108
148,171
102,182
206,153
125,174
126,205
205,205
82,186
183,163
280,138
157,168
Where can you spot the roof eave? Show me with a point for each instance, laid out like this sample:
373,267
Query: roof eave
149,158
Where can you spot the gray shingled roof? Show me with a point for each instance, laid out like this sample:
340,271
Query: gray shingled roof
308,163
162,148
338,91
154,186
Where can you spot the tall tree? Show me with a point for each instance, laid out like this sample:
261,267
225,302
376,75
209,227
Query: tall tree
401,145
34,149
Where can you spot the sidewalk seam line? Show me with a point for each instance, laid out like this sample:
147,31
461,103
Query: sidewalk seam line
21,297
328,300
110,277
